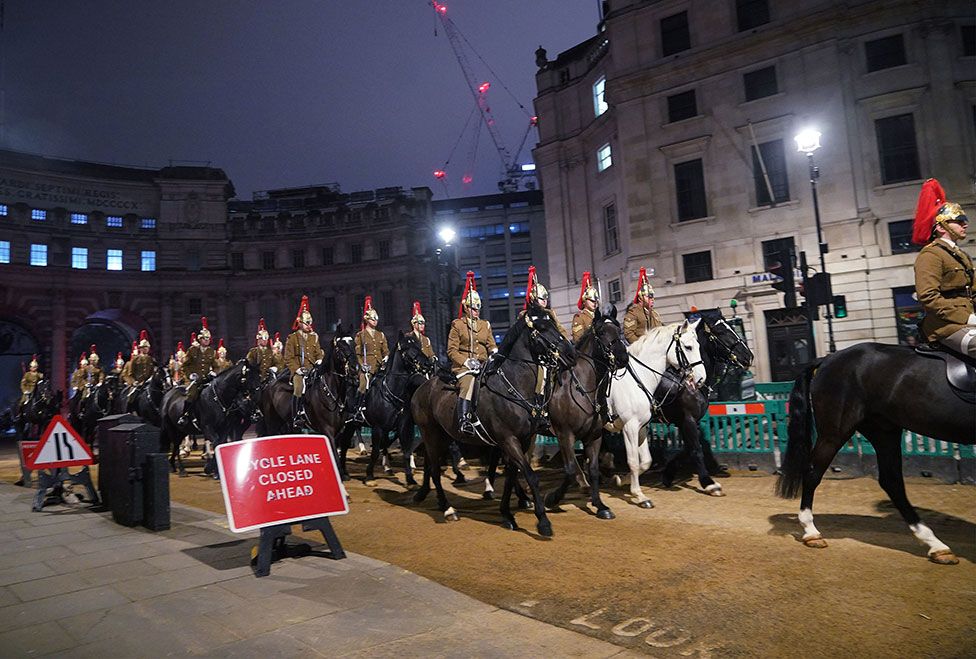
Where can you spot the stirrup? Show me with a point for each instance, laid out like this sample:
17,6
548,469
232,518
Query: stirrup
360,415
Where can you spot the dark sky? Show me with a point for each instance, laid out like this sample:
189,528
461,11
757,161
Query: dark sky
277,93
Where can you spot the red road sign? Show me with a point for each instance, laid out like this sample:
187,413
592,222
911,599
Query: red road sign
26,448
60,446
279,480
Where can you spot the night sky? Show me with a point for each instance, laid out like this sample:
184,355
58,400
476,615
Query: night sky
277,93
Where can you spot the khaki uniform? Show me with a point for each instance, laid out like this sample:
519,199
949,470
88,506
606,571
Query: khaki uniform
582,321
86,375
469,337
221,364
140,367
371,349
198,361
944,289
79,377
301,351
425,346
28,383
638,320
264,358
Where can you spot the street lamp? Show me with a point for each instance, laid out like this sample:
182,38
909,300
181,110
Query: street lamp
808,141
447,234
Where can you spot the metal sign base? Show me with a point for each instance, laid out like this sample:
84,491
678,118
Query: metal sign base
55,478
272,545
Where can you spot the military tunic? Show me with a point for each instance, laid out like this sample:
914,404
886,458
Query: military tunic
302,351
29,382
221,364
198,361
638,320
425,346
469,337
95,375
582,321
141,368
79,377
944,289
263,357
371,349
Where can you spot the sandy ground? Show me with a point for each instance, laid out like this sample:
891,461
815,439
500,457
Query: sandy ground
696,576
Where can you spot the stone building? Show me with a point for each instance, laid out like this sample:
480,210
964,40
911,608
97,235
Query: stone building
667,141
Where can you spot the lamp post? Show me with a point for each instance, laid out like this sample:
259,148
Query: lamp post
808,141
447,237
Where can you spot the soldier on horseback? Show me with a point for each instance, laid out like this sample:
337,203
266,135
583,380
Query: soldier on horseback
277,349
944,279
418,326
372,351
641,315
29,382
589,300
92,375
262,354
469,344
140,367
302,352
176,370
198,365
79,376
221,362
536,293
119,365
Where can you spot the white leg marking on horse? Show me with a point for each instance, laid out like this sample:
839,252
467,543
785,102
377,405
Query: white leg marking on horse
488,487
450,511
928,538
713,488
806,521
386,462
584,621
631,627
413,463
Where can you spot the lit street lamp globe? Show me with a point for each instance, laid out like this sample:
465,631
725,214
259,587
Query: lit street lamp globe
447,235
807,141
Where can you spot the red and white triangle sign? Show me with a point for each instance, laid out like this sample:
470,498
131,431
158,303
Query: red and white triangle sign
60,446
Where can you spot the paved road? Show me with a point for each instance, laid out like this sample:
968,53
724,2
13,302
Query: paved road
75,584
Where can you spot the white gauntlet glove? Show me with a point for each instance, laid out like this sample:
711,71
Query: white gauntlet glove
472,364
972,319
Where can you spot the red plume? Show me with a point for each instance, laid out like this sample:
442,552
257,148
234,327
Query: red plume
528,289
416,309
277,337
118,357
135,348
203,322
930,200
261,325
583,287
92,348
303,306
84,357
220,343
179,346
640,283
468,286
367,305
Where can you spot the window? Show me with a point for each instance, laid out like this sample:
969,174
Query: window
384,249
386,306
4,210
599,96
193,259
38,255
79,258
761,83
79,218
39,215
682,106
897,150
148,223
689,185
698,266
603,158
774,158
674,34
4,251
610,228
355,253
328,312
771,249
900,234
298,258
113,222
113,259
751,13
148,261
615,291
968,33
194,306
518,227
885,53
521,247
328,256
237,261
268,260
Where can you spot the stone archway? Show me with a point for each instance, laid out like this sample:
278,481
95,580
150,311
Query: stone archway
17,345
111,330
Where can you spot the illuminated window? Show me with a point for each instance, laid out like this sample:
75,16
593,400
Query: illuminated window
149,223
3,209
38,255
79,258
79,218
148,259
603,158
113,222
4,251
113,259
599,96
39,215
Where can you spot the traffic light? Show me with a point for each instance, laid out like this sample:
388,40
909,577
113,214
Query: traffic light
816,289
840,306
780,265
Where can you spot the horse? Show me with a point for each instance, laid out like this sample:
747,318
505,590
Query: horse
682,405
505,406
877,390
631,397
148,402
41,406
87,410
575,407
329,388
388,401
226,392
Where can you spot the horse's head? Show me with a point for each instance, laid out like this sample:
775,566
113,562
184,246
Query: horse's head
608,340
412,354
546,343
723,345
344,355
684,351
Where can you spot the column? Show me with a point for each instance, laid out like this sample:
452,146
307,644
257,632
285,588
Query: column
166,343
59,345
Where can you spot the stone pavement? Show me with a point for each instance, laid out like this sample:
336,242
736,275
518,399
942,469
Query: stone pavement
75,584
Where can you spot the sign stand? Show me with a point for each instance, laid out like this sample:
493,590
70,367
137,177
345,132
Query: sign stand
60,447
56,478
24,449
273,546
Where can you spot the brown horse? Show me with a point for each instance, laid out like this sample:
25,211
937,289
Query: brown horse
505,407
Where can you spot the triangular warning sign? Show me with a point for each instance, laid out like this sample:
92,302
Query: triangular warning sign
60,446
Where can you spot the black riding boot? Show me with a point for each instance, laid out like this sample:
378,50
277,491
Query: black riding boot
464,417
187,417
300,419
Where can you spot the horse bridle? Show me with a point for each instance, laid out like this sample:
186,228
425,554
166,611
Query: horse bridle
730,356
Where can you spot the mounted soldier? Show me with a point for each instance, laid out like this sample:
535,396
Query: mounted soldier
176,371
95,373
125,373
945,283
536,293
278,350
469,344
198,365
418,326
302,352
641,315
221,363
27,383
262,354
141,367
79,377
587,304
372,351
118,366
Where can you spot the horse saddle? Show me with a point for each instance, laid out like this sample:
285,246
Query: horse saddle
960,370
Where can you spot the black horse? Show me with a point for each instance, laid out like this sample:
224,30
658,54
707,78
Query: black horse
41,406
220,399
87,410
578,405
878,390
506,409
723,353
147,403
388,401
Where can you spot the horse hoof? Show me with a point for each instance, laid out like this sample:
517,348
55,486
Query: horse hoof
714,490
646,503
526,505
816,542
551,500
944,557
606,513
545,529
388,472
617,481
488,496
450,515
510,525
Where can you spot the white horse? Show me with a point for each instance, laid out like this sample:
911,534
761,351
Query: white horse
674,345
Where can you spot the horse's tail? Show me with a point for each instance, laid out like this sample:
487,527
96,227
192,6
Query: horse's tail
797,459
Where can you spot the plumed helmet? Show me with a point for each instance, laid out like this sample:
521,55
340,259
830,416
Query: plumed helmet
417,316
277,345
303,315
135,348
180,352
193,340
144,339
262,330
933,208
84,360
534,290
587,291
204,329
33,363
644,288
119,361
221,350
369,313
470,298
92,355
